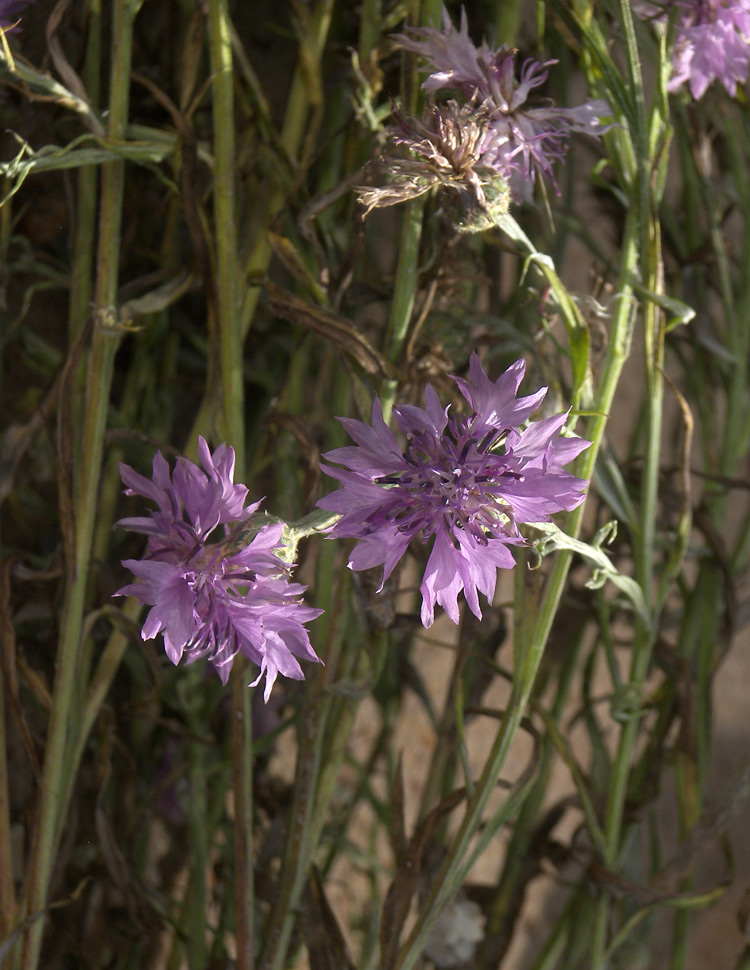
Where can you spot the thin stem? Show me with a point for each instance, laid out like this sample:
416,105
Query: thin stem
453,869
407,269
230,341
96,693
194,918
304,825
407,279
369,28
231,369
106,338
257,251
644,540
291,138
85,220
242,751
84,240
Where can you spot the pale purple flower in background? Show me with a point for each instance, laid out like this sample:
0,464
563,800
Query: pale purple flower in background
212,599
521,140
463,483
712,43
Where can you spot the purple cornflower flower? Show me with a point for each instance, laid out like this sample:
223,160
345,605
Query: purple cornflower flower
712,43
213,599
467,480
520,140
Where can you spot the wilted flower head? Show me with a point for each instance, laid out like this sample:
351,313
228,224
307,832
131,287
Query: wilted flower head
448,143
213,599
520,140
463,483
712,43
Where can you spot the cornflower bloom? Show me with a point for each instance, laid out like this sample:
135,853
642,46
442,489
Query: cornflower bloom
463,483
712,43
521,140
214,599
447,143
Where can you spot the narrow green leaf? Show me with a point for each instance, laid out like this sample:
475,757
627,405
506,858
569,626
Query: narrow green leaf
603,567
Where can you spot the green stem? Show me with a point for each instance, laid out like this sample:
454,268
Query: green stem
306,810
508,22
497,928
242,751
268,204
294,866
85,219
106,338
369,28
230,341
292,135
194,919
96,693
644,540
84,241
453,869
407,279
407,271
231,369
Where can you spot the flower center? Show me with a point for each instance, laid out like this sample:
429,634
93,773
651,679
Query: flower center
453,481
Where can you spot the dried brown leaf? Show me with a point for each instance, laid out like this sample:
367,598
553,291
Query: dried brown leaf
332,326
406,881
320,928
9,669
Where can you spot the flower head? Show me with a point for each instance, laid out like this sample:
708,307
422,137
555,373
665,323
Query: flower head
446,145
521,140
712,43
463,482
213,599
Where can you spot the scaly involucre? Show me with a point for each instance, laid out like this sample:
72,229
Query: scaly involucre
463,483
520,140
213,599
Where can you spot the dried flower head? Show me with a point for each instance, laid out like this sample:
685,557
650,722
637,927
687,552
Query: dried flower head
213,599
520,140
462,483
445,145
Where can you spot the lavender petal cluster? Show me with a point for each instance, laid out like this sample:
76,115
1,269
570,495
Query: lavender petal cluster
208,597
712,44
521,140
461,482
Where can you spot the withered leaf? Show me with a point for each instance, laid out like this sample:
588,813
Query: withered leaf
406,881
322,934
330,325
